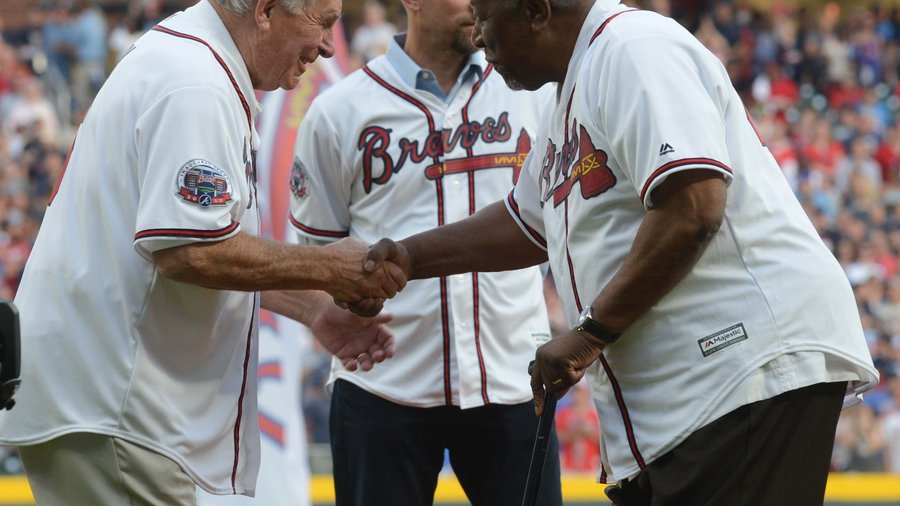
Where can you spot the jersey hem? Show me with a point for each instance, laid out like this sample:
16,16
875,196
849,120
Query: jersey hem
855,387
149,445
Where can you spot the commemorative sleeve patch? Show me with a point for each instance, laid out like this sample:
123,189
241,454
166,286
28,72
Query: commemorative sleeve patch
299,179
201,182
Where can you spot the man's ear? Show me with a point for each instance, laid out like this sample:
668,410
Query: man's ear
538,12
262,13
412,5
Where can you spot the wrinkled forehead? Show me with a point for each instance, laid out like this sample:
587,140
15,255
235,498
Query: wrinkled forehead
488,8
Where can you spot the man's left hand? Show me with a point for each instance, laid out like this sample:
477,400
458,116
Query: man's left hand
358,342
560,363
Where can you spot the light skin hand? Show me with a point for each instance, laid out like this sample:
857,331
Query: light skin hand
352,284
356,341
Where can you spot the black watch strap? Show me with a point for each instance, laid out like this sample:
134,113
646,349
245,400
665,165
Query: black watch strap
593,328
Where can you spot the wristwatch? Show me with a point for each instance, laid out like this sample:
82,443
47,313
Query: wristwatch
587,324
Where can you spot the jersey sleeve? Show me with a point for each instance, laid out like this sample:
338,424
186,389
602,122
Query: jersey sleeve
661,116
523,204
191,170
320,187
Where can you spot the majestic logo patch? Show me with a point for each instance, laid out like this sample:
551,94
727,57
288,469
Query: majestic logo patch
200,182
722,339
665,149
299,180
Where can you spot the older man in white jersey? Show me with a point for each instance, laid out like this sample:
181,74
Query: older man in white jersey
718,333
140,302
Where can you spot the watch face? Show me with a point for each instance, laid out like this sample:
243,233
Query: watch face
584,315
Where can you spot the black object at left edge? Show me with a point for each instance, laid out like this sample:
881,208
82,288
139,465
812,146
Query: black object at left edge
10,354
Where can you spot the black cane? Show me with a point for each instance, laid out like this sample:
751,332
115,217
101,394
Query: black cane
539,452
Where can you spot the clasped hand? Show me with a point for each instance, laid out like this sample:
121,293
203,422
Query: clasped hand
367,277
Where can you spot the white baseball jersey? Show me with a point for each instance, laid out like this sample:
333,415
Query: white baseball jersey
283,472
766,309
377,157
163,158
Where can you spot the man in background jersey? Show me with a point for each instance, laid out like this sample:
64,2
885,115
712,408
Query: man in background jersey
140,302
718,333
425,135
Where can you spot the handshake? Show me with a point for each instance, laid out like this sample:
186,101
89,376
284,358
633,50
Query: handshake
362,278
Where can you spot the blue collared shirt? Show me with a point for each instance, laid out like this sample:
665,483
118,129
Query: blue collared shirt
425,79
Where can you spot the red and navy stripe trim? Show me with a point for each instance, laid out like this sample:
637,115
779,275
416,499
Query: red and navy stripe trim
535,235
240,412
699,162
475,310
187,232
603,26
626,419
439,188
317,231
569,258
63,171
402,95
244,104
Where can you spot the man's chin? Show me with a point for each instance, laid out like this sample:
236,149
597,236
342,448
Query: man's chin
511,82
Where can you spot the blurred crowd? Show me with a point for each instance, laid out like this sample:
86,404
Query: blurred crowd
822,84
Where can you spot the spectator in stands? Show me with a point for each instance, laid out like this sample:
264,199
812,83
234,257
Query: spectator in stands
372,38
89,34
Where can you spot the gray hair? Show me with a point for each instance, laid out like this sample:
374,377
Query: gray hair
243,6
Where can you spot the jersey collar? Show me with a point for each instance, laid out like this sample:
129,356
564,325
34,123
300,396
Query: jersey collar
424,79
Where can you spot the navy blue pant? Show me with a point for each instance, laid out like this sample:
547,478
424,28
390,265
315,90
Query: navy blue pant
389,454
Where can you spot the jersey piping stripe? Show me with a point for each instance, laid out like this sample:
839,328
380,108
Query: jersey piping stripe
244,104
402,95
439,188
569,259
475,293
626,419
240,412
755,129
535,235
187,232
317,231
700,162
63,171
603,26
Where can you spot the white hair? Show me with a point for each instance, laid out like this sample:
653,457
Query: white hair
243,6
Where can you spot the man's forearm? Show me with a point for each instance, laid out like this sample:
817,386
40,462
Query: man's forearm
487,241
249,263
299,305
669,242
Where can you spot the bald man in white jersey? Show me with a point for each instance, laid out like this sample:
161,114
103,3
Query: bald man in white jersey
718,333
140,302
